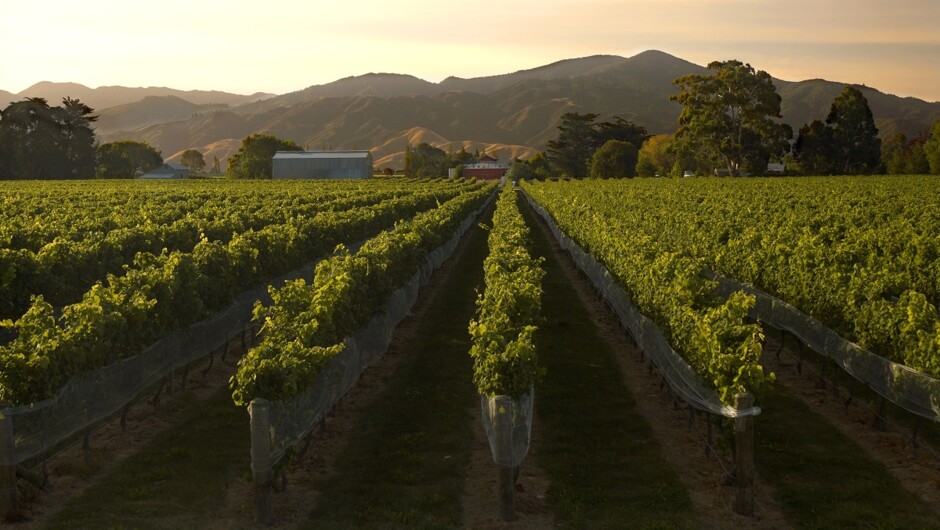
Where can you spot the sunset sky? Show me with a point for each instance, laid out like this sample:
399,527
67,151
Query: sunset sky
279,47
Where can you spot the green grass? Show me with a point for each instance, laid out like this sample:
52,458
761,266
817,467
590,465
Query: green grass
606,468
406,464
823,479
178,478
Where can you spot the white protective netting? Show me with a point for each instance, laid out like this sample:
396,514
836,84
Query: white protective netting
96,395
509,436
292,419
675,371
909,389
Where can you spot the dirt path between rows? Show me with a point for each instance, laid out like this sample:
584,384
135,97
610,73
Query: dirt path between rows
918,471
700,473
74,470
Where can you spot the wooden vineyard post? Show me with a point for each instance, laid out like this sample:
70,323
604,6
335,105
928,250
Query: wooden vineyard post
501,414
8,500
744,456
259,410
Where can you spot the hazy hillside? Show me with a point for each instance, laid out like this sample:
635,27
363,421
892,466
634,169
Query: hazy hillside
149,111
517,112
810,100
110,96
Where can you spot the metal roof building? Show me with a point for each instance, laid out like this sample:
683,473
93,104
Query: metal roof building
168,170
322,165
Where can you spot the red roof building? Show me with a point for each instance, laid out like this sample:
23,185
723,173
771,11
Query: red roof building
487,168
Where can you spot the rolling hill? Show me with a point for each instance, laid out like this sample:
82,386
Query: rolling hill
109,96
515,113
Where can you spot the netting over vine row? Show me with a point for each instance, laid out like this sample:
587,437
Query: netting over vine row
99,394
908,388
677,373
291,420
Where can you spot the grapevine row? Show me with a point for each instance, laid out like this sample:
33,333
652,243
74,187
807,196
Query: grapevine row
63,269
159,293
307,323
504,357
711,333
861,256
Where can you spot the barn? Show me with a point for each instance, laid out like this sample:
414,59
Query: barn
168,170
487,168
322,165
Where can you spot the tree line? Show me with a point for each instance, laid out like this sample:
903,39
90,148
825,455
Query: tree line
730,123
43,142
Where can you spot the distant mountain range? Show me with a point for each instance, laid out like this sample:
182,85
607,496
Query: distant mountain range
506,115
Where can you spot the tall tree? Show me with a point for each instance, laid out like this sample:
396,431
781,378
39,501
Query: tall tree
42,142
126,159
79,142
729,116
193,160
932,148
425,160
254,158
893,149
615,159
815,150
858,148
572,151
620,129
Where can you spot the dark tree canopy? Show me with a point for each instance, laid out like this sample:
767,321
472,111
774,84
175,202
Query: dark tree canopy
858,148
425,160
254,159
729,116
571,152
193,160
42,142
901,156
847,144
815,149
614,159
932,148
126,159
580,137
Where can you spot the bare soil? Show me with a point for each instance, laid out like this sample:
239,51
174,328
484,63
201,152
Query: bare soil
699,472
74,469
917,470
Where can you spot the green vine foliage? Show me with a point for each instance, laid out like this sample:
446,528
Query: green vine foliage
252,233
504,357
664,282
307,323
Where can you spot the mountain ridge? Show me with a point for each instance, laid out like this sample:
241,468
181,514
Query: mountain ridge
516,112
113,95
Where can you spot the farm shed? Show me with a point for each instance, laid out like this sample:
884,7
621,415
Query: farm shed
487,168
322,165
169,170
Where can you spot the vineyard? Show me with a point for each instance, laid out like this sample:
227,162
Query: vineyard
119,273
861,256
104,282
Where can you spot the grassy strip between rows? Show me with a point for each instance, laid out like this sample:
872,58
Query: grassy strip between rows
605,466
177,480
823,479
406,464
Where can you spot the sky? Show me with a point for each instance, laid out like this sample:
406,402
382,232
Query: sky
245,47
